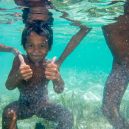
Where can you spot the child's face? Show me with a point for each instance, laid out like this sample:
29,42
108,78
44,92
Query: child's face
36,47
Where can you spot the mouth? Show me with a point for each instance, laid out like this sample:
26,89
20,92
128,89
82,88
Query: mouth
36,58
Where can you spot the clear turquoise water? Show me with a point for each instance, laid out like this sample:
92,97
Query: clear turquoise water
91,57
85,70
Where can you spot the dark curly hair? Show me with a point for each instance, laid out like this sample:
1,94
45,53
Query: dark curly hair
26,12
41,28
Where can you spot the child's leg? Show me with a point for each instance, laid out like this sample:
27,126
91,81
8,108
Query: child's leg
57,113
9,116
115,88
14,112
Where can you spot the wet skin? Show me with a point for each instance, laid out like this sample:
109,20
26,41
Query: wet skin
4,48
117,38
32,81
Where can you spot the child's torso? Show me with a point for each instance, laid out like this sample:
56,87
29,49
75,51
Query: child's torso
35,89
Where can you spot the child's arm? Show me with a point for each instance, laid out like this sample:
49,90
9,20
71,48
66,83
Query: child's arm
73,43
19,72
75,40
4,48
52,73
58,85
13,79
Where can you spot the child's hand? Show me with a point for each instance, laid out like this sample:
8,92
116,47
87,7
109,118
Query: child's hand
25,72
51,71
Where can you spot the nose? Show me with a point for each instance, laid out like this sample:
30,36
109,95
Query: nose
36,50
